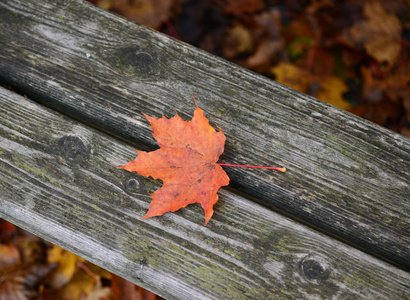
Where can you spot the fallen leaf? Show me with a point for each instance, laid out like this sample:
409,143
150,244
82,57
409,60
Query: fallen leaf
66,267
292,76
271,45
379,34
186,163
331,91
238,40
79,287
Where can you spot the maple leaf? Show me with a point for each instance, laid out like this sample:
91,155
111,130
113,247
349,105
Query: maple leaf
186,163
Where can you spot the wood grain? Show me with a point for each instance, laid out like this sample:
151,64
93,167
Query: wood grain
346,176
58,179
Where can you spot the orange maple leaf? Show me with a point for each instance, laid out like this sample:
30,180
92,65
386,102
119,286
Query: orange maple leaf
186,163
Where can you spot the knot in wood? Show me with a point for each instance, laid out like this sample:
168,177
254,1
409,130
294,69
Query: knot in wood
73,148
314,268
132,185
136,62
142,61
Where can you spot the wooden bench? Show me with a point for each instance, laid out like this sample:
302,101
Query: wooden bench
334,226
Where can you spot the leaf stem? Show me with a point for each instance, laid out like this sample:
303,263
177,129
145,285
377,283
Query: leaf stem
258,167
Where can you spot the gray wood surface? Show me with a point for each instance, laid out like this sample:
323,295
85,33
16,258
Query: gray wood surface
346,176
58,179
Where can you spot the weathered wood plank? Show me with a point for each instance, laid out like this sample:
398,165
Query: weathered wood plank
58,179
345,175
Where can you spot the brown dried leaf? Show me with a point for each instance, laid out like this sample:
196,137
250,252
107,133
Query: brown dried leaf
238,40
379,34
270,45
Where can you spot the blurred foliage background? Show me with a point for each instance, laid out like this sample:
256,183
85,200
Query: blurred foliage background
353,54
